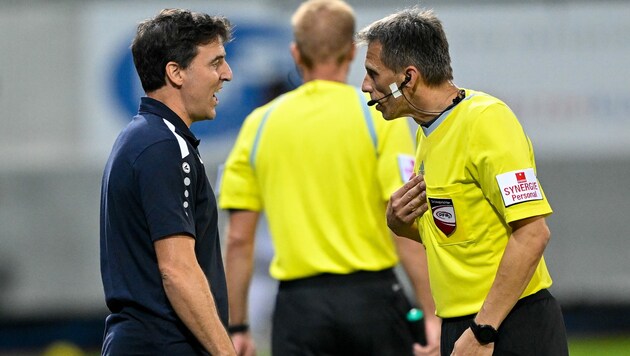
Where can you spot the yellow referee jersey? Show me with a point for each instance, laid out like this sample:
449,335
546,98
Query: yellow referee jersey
479,169
322,165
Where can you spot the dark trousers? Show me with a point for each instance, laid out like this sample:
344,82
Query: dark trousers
358,314
534,327
134,332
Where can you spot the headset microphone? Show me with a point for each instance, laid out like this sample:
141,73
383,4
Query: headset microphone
394,90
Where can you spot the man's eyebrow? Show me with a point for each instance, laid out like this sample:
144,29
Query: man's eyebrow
218,58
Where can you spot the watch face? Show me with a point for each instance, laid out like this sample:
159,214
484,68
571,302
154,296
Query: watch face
486,334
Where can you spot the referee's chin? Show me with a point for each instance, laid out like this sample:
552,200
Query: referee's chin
389,117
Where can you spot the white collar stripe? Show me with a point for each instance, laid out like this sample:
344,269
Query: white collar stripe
183,147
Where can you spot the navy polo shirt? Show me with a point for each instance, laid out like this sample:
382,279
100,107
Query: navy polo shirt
154,186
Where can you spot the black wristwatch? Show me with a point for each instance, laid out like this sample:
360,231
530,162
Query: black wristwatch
485,334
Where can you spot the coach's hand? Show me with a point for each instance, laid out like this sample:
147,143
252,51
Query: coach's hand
405,206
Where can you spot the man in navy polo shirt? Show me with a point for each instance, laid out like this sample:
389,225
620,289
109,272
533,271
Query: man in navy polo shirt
161,261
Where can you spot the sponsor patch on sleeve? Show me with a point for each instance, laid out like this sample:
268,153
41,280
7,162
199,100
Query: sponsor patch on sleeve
519,186
405,165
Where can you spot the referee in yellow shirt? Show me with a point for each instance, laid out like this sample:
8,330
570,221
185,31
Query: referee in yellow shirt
322,165
475,201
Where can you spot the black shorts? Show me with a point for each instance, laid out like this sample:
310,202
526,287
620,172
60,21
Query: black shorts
361,313
534,327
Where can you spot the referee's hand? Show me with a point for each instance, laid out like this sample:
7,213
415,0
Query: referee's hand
406,205
467,345
244,344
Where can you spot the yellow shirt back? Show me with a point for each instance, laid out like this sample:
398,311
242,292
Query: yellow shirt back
322,166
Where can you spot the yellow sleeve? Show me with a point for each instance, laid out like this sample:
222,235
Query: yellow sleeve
239,187
499,147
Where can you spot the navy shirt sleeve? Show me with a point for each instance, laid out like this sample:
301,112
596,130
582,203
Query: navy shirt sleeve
164,181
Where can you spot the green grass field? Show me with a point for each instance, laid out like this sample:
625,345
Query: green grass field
618,345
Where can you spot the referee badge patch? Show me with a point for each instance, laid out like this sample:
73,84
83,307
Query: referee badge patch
443,215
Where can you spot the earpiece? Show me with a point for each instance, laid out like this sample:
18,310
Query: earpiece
404,82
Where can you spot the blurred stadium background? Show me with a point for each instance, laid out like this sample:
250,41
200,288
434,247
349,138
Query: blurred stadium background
68,86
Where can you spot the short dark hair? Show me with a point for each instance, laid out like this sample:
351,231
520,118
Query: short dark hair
173,35
415,37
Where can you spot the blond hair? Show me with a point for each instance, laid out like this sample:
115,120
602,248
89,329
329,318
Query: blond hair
323,31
